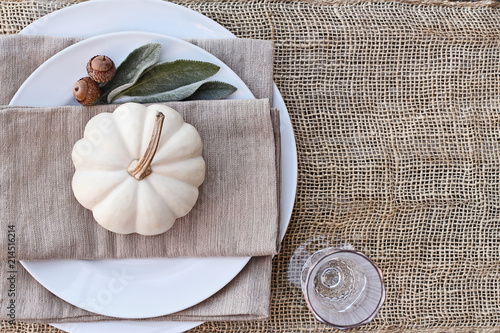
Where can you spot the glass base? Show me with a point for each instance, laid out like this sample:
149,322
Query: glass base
342,287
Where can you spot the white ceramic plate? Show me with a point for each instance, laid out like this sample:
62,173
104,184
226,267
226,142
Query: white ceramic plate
48,84
104,16
161,286
98,17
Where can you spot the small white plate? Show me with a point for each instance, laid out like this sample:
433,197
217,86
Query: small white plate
48,84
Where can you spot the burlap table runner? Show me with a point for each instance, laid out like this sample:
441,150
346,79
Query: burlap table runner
395,111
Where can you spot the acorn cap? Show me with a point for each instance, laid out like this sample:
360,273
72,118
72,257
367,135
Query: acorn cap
101,68
86,91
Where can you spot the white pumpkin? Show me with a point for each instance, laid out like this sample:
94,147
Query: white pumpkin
138,169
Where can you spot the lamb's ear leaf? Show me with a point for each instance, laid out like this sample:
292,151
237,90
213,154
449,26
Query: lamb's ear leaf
212,90
170,76
197,90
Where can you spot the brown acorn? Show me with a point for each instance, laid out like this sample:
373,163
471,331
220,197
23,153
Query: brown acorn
86,91
101,69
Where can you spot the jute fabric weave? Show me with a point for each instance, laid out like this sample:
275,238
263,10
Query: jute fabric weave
395,108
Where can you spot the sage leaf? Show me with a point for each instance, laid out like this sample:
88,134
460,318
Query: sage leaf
129,71
169,76
166,96
206,89
212,90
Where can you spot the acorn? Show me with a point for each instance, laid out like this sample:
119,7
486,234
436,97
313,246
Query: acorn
101,69
86,91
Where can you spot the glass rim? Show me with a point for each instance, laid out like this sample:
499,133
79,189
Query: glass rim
382,284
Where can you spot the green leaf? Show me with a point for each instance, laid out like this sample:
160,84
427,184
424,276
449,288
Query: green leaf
130,70
199,90
169,76
212,90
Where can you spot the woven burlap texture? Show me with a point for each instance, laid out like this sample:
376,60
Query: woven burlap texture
395,108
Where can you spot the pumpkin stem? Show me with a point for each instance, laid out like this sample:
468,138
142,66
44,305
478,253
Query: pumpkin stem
140,169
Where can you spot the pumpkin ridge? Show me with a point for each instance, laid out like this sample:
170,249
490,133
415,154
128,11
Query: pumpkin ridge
185,130
178,159
138,118
116,196
167,197
84,164
121,144
97,197
162,168
111,153
86,152
137,219
167,202
168,215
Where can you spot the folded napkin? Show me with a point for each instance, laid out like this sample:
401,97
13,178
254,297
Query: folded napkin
40,204
237,212
246,297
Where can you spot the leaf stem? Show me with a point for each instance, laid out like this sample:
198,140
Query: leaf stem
140,169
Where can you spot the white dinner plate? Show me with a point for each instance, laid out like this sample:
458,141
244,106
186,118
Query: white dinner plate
128,326
104,16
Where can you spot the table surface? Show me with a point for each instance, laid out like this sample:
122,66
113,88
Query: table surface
395,110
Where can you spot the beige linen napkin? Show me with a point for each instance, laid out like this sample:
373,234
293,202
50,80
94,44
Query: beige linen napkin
244,297
237,212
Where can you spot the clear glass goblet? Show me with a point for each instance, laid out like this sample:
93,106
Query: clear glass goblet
342,287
